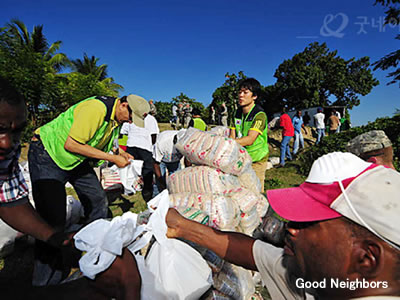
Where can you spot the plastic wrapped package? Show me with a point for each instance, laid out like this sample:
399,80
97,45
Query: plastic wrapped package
221,131
205,148
229,281
201,179
216,295
194,214
225,213
214,261
245,198
182,200
249,221
262,206
234,282
249,180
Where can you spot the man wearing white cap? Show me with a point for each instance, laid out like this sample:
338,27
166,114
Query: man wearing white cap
342,241
65,150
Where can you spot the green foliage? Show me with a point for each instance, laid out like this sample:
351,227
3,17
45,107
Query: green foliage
338,142
228,93
272,183
164,109
32,66
89,66
392,59
311,77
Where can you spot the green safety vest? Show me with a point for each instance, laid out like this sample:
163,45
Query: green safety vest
259,149
199,124
54,134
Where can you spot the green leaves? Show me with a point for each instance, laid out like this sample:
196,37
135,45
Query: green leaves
313,76
392,59
338,142
32,66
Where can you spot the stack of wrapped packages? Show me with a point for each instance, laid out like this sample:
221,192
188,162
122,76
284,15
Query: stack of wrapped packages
222,191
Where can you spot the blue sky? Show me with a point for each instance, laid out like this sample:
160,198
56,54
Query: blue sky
158,49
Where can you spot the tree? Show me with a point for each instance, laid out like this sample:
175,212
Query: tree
32,67
228,93
271,102
164,111
36,42
318,77
164,108
89,66
29,63
392,59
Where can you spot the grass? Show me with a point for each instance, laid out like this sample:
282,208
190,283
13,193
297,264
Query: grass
288,176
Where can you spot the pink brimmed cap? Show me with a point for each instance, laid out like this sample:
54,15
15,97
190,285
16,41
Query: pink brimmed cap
372,192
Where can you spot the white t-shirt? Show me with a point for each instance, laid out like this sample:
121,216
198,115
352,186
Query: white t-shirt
141,137
319,120
164,148
280,285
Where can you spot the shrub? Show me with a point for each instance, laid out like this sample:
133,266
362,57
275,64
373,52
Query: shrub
337,142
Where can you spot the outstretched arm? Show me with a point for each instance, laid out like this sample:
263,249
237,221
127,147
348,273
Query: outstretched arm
24,218
234,247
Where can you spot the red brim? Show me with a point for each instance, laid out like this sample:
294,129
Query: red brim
300,204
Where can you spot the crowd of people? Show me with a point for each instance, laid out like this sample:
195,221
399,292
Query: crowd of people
340,235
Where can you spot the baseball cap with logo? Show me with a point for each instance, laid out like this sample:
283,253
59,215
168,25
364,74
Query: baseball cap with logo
140,108
341,184
368,141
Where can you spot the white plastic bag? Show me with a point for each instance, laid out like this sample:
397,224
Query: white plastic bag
181,270
130,176
172,269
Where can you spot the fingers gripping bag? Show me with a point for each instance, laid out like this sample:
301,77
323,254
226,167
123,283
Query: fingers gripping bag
172,269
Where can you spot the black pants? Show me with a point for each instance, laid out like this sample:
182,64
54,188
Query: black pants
147,170
48,188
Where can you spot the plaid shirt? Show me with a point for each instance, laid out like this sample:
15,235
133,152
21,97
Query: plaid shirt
12,183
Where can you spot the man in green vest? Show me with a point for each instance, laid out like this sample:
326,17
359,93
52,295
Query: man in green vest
196,120
66,150
250,126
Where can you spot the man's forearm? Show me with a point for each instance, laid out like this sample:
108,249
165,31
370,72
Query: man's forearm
86,150
24,218
234,247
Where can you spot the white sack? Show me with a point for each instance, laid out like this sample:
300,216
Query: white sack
201,179
205,148
177,270
130,176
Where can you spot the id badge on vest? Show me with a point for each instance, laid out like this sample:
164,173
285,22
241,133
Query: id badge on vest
239,124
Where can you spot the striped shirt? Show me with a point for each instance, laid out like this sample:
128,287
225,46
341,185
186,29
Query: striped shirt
12,183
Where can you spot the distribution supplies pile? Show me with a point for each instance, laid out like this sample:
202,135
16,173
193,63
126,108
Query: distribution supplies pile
222,185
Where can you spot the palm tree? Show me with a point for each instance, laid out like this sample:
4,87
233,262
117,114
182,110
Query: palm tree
37,43
89,66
